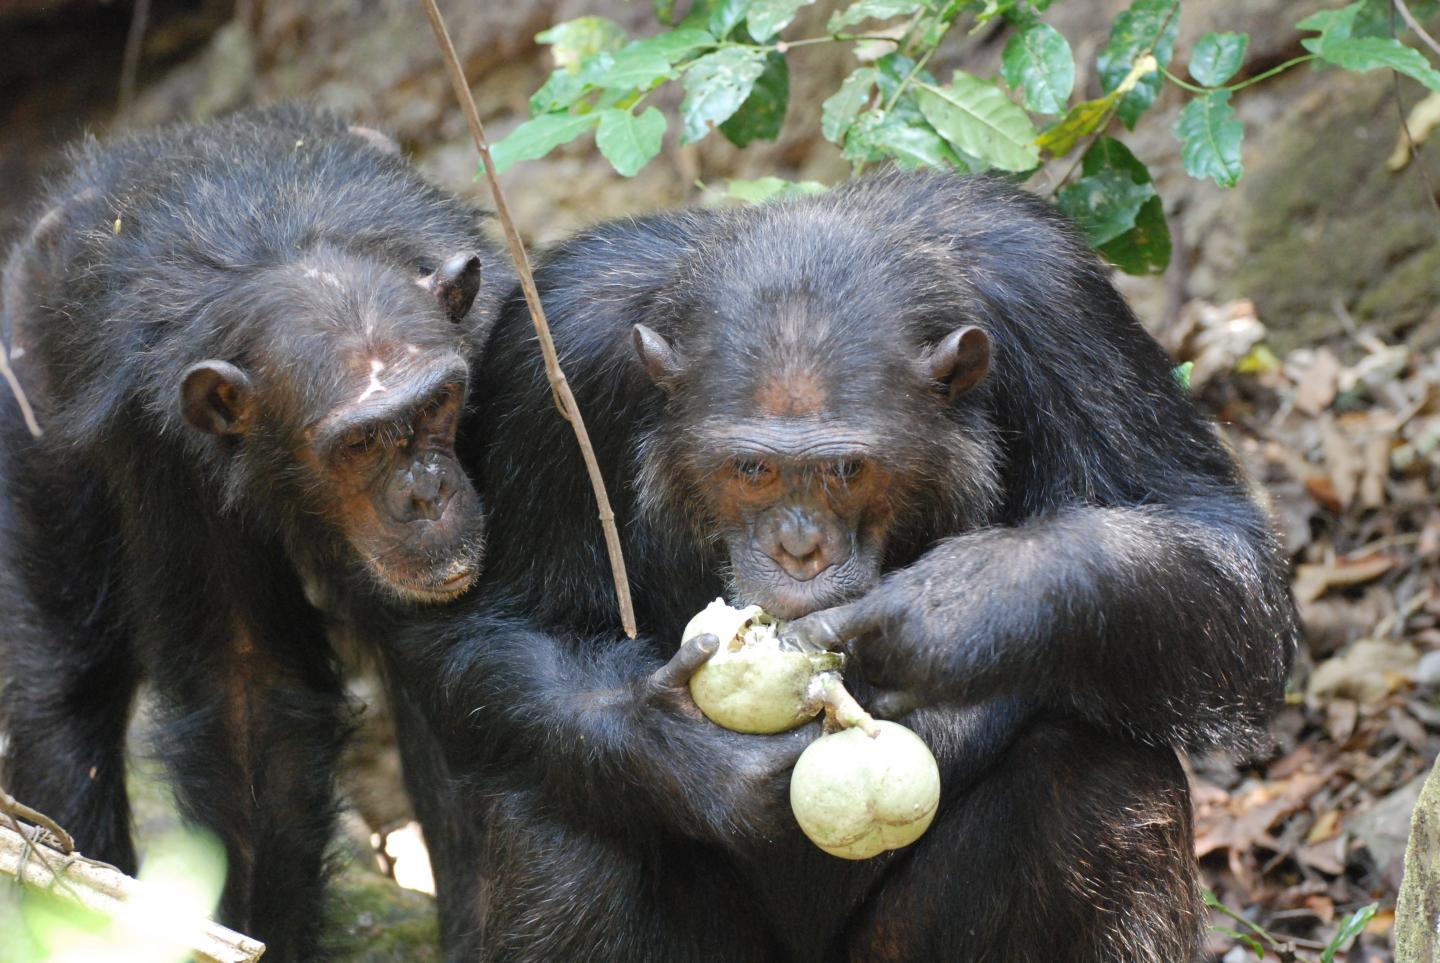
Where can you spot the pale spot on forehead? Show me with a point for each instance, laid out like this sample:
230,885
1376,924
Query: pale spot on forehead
327,277
412,349
790,393
375,386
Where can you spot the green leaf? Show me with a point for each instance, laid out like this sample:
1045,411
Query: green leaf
1210,136
769,188
571,42
1349,929
1146,247
976,117
1079,122
673,45
873,10
665,11
1370,53
1338,46
715,87
1038,58
628,142
538,137
908,137
725,16
839,110
762,114
1104,204
1375,17
768,17
627,69
1182,373
1149,26
1217,56
560,90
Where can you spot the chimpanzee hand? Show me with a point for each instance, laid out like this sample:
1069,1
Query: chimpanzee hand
887,634
735,785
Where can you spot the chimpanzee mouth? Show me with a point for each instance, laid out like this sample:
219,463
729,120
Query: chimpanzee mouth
456,581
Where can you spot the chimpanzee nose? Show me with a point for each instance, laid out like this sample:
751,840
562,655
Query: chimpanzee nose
429,489
800,551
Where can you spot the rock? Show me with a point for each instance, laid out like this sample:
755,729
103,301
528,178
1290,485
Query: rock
1417,912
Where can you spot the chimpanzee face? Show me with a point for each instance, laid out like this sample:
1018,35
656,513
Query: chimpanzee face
803,480
351,419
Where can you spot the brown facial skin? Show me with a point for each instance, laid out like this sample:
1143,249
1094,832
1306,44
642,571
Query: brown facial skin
351,429
395,490
802,497
805,525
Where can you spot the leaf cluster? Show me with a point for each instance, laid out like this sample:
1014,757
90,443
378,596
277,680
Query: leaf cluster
730,60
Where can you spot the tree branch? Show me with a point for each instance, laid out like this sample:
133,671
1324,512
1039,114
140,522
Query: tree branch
559,387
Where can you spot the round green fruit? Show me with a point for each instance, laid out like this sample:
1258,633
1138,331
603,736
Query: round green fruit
751,684
857,795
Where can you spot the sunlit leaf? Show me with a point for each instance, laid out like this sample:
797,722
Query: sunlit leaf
762,114
574,40
771,188
538,137
839,110
766,18
629,142
715,87
977,118
1038,59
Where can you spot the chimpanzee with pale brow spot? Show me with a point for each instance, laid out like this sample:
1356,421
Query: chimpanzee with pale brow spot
248,344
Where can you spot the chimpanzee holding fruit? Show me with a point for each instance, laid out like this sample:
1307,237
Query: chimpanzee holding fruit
248,344
914,416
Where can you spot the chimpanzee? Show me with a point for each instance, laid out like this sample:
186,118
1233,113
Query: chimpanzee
914,415
248,343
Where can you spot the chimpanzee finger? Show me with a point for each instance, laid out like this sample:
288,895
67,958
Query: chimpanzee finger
827,629
894,703
691,655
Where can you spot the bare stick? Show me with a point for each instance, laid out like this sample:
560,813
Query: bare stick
130,67
1414,25
14,807
559,387
26,411
103,888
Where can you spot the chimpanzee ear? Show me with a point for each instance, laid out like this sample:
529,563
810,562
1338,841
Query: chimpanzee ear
664,366
217,398
455,283
959,362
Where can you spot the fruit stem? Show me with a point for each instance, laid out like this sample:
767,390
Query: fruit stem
841,709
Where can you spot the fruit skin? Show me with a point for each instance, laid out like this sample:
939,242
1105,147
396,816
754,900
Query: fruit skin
856,796
751,684
758,690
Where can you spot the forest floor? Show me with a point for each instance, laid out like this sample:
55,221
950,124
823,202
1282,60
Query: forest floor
1344,440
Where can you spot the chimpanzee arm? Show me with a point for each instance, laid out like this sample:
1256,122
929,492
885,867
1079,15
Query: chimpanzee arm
1172,623
603,728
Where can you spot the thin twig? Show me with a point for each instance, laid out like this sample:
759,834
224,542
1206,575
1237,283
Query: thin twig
564,399
130,67
26,411
14,807
1415,25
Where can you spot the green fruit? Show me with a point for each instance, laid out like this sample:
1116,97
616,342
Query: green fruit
751,684
857,795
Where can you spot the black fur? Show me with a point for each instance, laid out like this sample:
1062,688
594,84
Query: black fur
1076,584
290,248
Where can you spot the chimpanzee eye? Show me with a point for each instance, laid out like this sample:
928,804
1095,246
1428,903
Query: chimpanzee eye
845,470
752,471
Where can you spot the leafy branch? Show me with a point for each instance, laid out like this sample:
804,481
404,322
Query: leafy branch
732,63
